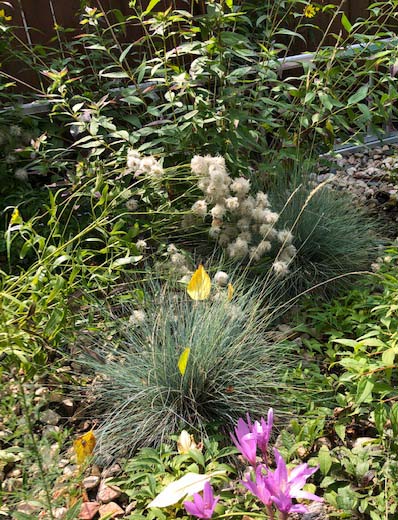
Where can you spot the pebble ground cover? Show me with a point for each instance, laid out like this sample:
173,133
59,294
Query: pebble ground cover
198,297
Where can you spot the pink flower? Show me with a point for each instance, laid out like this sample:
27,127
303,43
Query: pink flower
202,507
257,486
262,431
283,486
245,440
250,437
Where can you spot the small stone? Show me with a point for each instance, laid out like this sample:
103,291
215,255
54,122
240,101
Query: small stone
12,484
14,473
70,470
50,429
316,511
59,513
49,417
130,508
56,397
88,510
63,462
42,391
111,510
107,493
91,482
29,507
111,471
95,470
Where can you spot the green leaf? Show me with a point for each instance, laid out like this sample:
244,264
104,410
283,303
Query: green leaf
346,23
394,418
340,431
115,75
125,52
325,460
61,260
388,356
151,5
125,261
364,390
359,95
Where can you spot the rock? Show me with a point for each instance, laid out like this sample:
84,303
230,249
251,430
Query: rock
130,508
29,507
59,513
88,510
50,429
70,470
111,471
42,391
316,511
14,473
107,493
63,462
56,397
95,470
49,417
10,485
91,482
111,510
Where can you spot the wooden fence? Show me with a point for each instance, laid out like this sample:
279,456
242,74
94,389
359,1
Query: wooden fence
36,19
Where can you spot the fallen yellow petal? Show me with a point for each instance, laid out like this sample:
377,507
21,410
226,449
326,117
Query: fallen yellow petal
231,291
84,446
199,285
183,361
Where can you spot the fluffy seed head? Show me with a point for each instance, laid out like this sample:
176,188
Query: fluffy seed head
200,208
240,186
221,278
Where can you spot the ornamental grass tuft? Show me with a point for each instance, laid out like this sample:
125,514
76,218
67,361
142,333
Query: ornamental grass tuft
332,235
141,395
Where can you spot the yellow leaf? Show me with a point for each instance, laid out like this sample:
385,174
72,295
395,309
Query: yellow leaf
231,291
183,361
84,446
199,285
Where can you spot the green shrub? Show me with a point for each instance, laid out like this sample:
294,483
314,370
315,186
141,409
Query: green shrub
355,337
141,396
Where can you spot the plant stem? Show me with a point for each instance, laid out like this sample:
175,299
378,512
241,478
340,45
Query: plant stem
35,448
270,512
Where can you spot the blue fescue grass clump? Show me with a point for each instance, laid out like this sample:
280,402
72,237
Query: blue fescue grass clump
142,398
332,235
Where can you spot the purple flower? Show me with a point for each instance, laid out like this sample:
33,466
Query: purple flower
283,486
245,440
262,431
248,437
202,507
257,486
